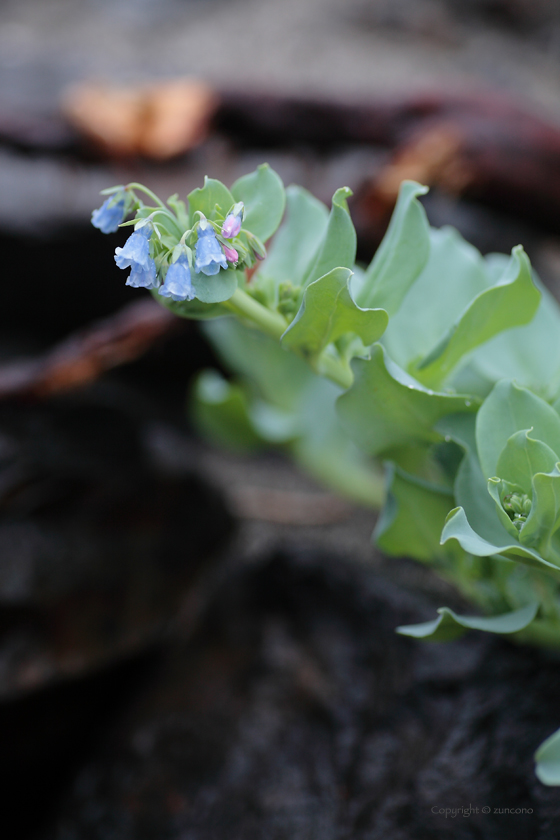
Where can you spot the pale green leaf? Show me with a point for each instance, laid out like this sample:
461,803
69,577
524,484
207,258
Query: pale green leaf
454,274
509,409
217,288
207,197
220,412
194,309
411,522
328,312
528,354
510,303
548,760
385,407
324,449
280,376
338,245
295,406
470,488
522,457
262,193
544,518
402,254
450,626
458,528
298,240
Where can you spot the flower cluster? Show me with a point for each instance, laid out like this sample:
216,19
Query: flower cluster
167,247
136,255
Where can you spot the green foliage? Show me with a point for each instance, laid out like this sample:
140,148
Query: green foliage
215,289
442,362
192,309
528,354
287,405
327,313
513,301
220,413
213,199
450,626
297,241
401,256
262,193
509,409
385,407
548,760
412,518
337,248
458,528
453,276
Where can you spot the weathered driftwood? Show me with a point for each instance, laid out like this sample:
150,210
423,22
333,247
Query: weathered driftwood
297,712
87,354
484,146
99,541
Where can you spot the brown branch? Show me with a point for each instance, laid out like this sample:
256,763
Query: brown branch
84,356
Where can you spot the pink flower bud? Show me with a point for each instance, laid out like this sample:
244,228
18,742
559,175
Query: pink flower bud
231,254
231,226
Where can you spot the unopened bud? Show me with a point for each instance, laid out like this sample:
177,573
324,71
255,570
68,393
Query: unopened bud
257,247
232,223
231,254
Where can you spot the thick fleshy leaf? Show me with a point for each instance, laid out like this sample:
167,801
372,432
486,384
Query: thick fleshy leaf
458,528
544,518
522,457
454,274
338,245
273,424
207,197
298,240
411,522
328,312
279,376
511,303
324,449
385,407
528,354
217,288
507,410
194,309
297,407
262,193
450,626
220,412
470,488
548,760
402,254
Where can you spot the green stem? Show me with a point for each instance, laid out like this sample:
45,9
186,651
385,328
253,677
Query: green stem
336,371
135,186
274,324
271,323
168,215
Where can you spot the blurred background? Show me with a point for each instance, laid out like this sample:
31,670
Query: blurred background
198,644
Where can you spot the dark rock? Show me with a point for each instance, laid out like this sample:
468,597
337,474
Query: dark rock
296,712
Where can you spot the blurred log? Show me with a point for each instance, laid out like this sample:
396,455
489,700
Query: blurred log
100,540
296,711
499,153
85,356
485,147
485,150
103,545
158,121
